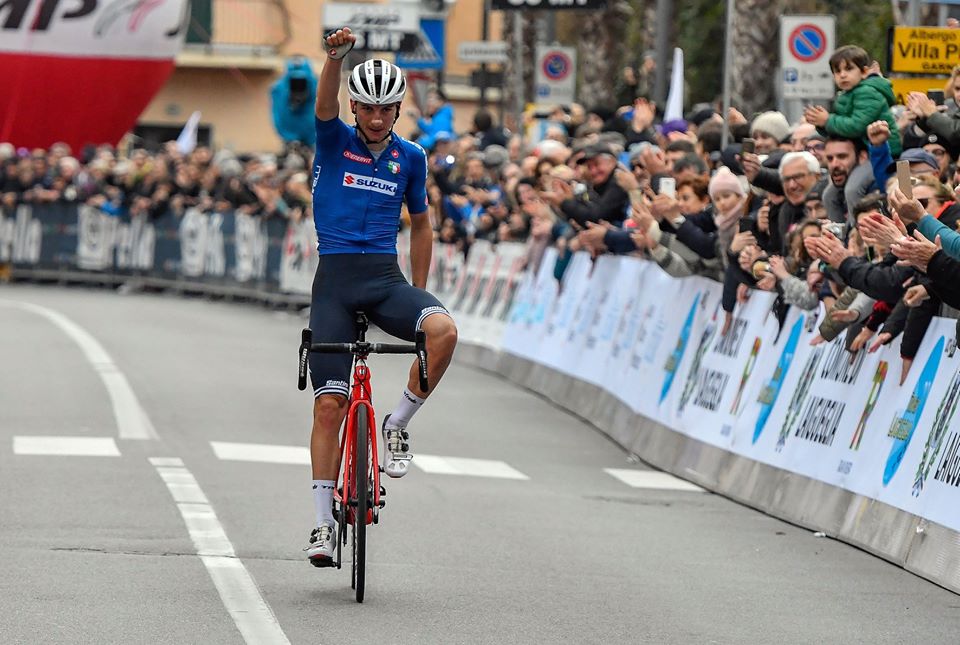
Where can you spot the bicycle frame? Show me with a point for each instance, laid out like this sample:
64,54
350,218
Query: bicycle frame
360,395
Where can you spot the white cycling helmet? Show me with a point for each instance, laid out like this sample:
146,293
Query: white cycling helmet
376,82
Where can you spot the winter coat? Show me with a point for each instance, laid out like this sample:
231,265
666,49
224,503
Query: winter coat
870,100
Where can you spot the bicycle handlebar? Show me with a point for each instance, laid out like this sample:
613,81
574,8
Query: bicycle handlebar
362,349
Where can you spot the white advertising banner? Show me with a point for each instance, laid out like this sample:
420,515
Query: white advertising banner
760,390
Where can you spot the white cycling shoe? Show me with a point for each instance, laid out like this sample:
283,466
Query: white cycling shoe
396,455
323,541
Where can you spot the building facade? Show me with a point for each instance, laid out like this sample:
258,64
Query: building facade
236,49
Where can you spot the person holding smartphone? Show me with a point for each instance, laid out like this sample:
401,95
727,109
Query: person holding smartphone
932,120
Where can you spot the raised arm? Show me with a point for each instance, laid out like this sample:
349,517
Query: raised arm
337,44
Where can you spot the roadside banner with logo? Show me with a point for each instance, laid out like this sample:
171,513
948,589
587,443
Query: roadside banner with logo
752,384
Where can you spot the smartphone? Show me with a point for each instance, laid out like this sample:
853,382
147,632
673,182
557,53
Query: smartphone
668,186
746,225
903,178
936,96
749,145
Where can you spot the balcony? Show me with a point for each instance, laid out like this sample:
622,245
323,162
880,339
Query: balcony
241,34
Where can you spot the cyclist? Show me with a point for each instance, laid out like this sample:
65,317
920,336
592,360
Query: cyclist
362,174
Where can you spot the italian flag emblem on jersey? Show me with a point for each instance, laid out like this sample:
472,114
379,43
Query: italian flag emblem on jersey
393,166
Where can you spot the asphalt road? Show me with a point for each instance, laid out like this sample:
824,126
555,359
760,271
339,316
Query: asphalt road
97,549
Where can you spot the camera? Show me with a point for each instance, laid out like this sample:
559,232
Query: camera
836,229
759,268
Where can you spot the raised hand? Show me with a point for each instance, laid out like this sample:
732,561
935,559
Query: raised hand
878,133
338,43
909,210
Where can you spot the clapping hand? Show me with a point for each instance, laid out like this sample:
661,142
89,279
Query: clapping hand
878,230
827,248
921,104
816,114
916,251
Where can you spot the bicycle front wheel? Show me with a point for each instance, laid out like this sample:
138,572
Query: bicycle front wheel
361,478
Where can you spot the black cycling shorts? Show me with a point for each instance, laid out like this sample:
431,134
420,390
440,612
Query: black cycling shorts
369,282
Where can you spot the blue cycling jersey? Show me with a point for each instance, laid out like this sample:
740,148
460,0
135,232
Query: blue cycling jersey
357,199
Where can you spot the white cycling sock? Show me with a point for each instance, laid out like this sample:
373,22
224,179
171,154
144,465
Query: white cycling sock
408,405
323,500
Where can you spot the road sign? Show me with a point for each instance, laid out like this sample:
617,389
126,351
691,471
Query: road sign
806,44
903,86
378,27
428,54
482,51
556,75
515,5
925,50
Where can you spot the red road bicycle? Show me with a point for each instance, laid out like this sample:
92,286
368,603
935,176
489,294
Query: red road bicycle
359,498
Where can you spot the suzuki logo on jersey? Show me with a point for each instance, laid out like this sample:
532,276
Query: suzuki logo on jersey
363,182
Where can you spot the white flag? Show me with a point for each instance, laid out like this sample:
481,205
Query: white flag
674,108
187,140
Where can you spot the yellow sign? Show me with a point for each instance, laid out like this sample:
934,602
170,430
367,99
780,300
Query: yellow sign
925,50
903,86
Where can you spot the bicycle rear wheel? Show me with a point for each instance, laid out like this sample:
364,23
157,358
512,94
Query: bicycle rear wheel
361,478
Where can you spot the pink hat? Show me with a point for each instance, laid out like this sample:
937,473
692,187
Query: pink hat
725,180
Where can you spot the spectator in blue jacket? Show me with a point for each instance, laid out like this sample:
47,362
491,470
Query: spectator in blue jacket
438,117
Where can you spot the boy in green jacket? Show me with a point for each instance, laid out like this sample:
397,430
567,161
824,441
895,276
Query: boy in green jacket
864,97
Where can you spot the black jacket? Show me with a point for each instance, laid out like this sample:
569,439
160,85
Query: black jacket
606,201
882,281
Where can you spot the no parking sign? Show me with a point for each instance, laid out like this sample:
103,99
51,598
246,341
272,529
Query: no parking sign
806,44
556,75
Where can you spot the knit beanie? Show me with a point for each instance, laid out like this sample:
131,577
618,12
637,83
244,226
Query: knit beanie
773,123
725,180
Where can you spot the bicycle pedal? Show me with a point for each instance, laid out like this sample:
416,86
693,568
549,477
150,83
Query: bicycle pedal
322,563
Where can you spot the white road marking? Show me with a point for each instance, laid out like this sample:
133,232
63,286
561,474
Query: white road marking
132,421
652,479
66,446
261,452
463,466
238,591
299,455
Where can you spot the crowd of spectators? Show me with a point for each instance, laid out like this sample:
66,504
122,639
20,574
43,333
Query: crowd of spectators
157,183
810,210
